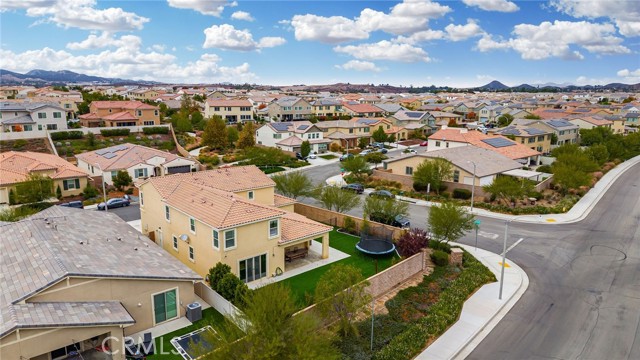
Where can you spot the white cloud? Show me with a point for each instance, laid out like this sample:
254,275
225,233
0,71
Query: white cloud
536,42
158,47
130,63
463,32
331,30
626,14
227,37
630,76
80,14
242,15
421,36
205,7
385,50
493,5
358,65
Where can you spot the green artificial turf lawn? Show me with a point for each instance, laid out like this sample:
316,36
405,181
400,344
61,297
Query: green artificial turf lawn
303,286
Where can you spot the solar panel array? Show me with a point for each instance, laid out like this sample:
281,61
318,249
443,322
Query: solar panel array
559,123
109,155
280,126
498,142
414,114
534,131
303,127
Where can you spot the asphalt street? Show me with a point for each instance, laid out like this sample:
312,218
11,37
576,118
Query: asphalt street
127,213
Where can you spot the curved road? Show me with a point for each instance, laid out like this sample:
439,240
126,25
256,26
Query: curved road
583,300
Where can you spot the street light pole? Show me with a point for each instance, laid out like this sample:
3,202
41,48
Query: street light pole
473,185
504,252
104,192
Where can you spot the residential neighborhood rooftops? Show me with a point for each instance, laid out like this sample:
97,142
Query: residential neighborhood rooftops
16,167
123,156
53,244
457,134
296,227
136,105
520,131
229,102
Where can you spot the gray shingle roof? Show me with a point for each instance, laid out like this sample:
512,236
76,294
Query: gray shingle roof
58,242
24,119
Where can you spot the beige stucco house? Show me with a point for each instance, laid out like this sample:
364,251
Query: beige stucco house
74,280
120,113
229,215
17,167
231,110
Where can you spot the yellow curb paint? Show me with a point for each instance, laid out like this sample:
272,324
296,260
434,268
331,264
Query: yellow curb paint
505,264
551,220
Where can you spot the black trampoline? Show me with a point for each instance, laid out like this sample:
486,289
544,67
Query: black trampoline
376,242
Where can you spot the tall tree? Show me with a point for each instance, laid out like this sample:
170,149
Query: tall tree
305,148
379,135
122,179
449,221
293,184
336,199
363,142
433,172
505,120
384,210
215,133
375,158
357,166
232,136
340,294
246,138
271,331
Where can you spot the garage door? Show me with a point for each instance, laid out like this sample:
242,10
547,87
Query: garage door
179,169
4,195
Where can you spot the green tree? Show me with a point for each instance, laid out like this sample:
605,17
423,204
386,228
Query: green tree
228,286
215,133
505,120
375,158
340,294
363,142
216,274
379,135
183,124
597,135
336,199
89,192
58,192
246,138
449,221
357,166
293,184
122,179
12,197
568,176
554,139
232,136
91,140
266,156
391,138
384,210
272,331
197,120
35,189
433,172
305,148
598,153
532,117
507,188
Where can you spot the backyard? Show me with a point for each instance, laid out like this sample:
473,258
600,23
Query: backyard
303,286
69,147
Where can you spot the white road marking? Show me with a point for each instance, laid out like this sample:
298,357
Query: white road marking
488,235
514,245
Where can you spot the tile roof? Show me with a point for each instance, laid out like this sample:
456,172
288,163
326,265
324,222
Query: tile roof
124,156
597,121
54,244
457,135
15,166
297,227
488,162
229,102
290,141
521,131
279,200
130,105
363,108
122,115
515,151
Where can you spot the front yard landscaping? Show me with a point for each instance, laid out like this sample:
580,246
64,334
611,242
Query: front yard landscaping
303,286
328,156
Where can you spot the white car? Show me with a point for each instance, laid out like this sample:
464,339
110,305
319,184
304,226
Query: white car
312,156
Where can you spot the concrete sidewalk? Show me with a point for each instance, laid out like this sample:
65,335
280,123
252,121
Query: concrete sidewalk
482,311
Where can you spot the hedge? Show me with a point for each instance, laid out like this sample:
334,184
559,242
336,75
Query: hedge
461,194
66,135
441,315
155,130
115,132
440,258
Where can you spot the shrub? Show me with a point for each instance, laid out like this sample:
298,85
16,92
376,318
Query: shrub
216,274
544,169
212,160
20,143
89,192
227,286
411,242
59,192
461,194
440,258
129,191
65,135
445,195
155,130
335,147
229,158
271,169
536,194
441,246
115,132
349,225
12,197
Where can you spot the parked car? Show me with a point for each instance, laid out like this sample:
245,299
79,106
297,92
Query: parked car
410,151
378,145
114,203
383,194
345,157
399,221
74,204
357,188
366,152
312,156
300,157
424,143
382,151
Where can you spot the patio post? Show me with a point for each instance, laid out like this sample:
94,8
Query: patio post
325,246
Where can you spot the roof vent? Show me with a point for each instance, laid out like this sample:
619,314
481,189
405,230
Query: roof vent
119,238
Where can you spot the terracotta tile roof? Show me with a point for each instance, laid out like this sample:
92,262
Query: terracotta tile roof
297,227
593,120
135,105
458,135
217,208
15,166
90,116
279,200
515,151
226,102
122,115
125,156
233,179
363,108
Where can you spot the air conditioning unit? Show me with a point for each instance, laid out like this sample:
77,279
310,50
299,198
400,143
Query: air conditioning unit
185,238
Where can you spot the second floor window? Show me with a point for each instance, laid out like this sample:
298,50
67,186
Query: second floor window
140,173
42,115
216,239
229,239
57,115
167,214
192,225
273,228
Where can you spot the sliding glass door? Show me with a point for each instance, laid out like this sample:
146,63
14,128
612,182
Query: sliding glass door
253,268
165,306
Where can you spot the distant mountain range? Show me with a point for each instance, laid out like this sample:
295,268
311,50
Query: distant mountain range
65,77
45,77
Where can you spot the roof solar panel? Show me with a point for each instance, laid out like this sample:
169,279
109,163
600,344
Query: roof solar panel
303,127
498,142
534,131
414,114
109,155
559,123
102,151
280,126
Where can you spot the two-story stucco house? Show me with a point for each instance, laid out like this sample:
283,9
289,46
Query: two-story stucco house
289,136
33,120
231,110
289,108
535,138
229,215
327,108
120,113
345,132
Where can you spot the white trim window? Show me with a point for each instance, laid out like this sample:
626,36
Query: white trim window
192,225
230,239
175,242
216,239
192,254
140,173
274,228
167,213
250,195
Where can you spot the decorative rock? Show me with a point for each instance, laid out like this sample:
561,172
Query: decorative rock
150,137
58,144
120,139
138,138
158,137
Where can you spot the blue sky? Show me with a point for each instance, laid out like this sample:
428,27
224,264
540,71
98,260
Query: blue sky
411,42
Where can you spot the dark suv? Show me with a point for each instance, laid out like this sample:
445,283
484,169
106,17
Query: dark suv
357,188
73,204
399,221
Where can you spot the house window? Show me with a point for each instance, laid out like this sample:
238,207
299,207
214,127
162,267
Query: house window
539,148
57,115
149,122
63,352
191,254
216,239
273,228
446,144
408,170
253,268
562,132
229,239
532,140
250,195
541,138
167,213
277,136
192,225
175,242
139,112
39,127
155,112
165,306
139,173
42,115
456,175
437,143
350,131
52,126
71,184
141,199
28,128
